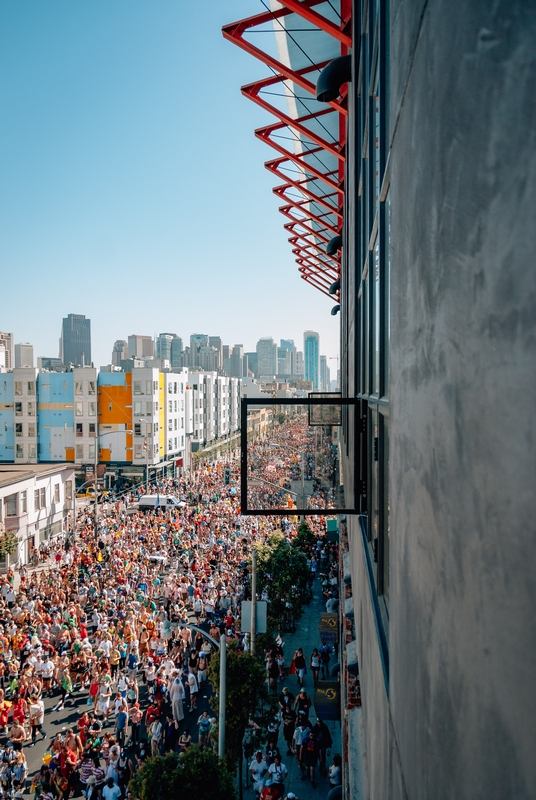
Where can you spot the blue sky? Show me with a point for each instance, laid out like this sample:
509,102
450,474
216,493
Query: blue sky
132,188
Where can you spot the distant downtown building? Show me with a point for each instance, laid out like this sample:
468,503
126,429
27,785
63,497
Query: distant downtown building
119,352
267,357
6,350
24,355
75,340
311,354
140,346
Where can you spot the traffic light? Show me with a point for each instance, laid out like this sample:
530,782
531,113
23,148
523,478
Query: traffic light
227,475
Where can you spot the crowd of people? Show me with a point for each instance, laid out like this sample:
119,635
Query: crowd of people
101,627
296,459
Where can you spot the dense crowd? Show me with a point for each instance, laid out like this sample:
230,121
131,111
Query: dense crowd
101,626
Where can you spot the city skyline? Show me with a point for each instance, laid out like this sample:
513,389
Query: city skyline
40,352
92,212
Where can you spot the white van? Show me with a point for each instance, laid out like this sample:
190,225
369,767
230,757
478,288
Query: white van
151,502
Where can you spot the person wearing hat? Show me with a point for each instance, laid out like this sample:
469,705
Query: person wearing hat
286,699
90,791
258,769
303,703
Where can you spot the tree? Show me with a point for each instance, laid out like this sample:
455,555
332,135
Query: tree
282,570
246,692
197,774
304,537
8,542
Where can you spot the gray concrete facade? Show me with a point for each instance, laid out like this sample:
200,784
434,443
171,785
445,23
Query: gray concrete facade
456,717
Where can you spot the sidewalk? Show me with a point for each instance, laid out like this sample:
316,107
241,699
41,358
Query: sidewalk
307,638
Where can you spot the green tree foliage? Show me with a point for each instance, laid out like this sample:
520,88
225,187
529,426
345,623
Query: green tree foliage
8,542
282,570
197,774
304,536
246,693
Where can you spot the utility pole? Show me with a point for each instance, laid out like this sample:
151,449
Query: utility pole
222,698
253,599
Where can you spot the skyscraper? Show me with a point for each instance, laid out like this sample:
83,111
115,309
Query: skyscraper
216,342
267,357
24,355
119,352
164,342
6,344
140,346
176,353
324,374
75,340
311,354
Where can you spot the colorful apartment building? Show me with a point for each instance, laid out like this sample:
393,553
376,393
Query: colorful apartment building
143,420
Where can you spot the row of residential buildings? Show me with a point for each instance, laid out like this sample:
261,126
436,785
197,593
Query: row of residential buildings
140,418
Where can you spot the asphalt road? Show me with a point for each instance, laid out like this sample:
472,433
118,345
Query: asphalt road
58,721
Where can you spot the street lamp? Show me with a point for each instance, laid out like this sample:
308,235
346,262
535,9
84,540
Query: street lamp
99,436
222,645
142,419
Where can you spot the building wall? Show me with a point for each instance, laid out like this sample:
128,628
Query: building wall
440,252
56,416
7,418
43,506
115,416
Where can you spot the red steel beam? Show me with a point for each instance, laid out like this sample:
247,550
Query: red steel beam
264,135
317,251
309,216
315,286
319,278
273,167
234,33
289,226
304,261
302,186
250,91
280,192
305,12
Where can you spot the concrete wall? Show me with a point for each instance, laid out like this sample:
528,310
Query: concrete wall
463,383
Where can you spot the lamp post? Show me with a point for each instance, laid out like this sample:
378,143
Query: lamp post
99,436
147,423
222,645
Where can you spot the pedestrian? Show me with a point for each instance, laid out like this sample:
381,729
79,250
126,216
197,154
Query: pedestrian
309,757
300,665
258,769
325,654
156,730
176,697
315,665
203,724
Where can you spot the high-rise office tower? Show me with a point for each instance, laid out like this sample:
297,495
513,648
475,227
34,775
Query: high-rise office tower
140,346
267,357
6,344
177,353
75,340
216,342
324,374
24,355
311,355
164,342
299,367
119,352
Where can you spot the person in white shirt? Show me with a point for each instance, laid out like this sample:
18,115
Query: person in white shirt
176,696
277,772
194,688
258,769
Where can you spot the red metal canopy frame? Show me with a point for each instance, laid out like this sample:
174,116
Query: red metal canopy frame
314,268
